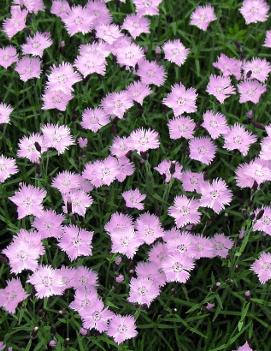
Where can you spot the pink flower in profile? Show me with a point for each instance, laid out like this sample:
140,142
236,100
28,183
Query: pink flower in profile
76,242
96,316
116,104
202,149
215,195
170,170
60,8
101,172
181,127
254,11
28,68
56,99
175,51
220,87
215,123
82,142
122,328
143,140
184,211
257,69
57,137
181,99
262,267
79,201
151,72
143,291
31,147
222,245
133,199
94,119
177,268
245,347
267,41
148,228
192,181
203,16
5,112
264,222
129,55
37,44
229,66
238,138
150,7
108,32
12,295
136,25
24,251
78,20
8,56
250,90
28,200
137,91
16,22
8,167
49,224
47,282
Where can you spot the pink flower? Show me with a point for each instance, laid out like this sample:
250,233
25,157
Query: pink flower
66,182
184,211
84,300
57,137
32,6
267,41
37,44
62,78
177,268
82,142
137,91
24,251
76,242
238,138
203,16
175,51
101,172
158,253
222,245
245,347
108,32
151,72
120,146
129,55
16,22
215,195
47,282
125,168
49,224
8,167
257,69
119,222
202,149
262,267
254,11
264,222
215,123
56,99
265,149
28,68
12,295
133,199
8,56
136,25
116,104
178,242
229,66
143,291
28,200
96,316
149,7
242,180
220,87
181,127
5,112
202,247
170,170
31,147
122,328
79,200
94,119
148,228
78,20
60,8
258,171
99,12
85,279
181,99
192,181
152,271
143,140
250,90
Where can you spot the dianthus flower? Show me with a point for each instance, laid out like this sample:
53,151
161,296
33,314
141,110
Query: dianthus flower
148,228
151,72
184,211
12,295
133,199
238,138
215,123
143,291
7,168
136,25
116,104
264,222
57,137
251,90
28,68
229,66
122,328
175,51
170,170
203,16
254,11
143,140
37,44
8,56
262,267
220,87
181,127
202,149
181,99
